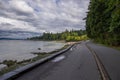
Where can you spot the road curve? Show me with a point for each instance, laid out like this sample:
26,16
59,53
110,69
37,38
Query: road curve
76,64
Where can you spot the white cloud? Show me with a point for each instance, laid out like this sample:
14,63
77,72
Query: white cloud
21,5
15,24
42,15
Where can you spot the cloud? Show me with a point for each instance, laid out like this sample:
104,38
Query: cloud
21,6
42,15
11,24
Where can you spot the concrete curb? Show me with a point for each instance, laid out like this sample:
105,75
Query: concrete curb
16,73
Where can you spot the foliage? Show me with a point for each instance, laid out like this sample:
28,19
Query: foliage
103,21
74,35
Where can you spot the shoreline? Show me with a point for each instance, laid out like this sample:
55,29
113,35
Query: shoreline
13,64
21,49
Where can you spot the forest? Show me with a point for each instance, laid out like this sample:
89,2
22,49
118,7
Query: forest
103,21
73,35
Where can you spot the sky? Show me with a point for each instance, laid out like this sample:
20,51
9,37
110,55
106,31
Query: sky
32,17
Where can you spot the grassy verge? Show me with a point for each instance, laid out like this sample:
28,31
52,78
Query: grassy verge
115,47
12,65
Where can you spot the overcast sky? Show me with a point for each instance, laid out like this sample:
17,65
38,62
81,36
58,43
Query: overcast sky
42,15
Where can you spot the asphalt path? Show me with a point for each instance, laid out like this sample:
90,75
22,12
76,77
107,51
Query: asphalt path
76,64
110,58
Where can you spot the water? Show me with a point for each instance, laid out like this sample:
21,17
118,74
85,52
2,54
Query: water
21,49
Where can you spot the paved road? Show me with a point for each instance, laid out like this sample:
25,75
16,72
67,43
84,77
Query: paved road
110,59
76,64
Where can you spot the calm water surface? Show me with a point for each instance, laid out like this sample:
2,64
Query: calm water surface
21,49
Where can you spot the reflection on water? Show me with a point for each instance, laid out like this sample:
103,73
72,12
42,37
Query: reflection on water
21,49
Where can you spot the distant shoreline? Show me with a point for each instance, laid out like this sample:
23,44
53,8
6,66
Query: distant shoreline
11,39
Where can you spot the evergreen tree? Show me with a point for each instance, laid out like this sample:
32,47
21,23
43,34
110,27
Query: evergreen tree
74,35
103,21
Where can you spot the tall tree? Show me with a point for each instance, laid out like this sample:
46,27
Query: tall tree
103,21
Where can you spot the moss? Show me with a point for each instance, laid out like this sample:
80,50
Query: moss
9,62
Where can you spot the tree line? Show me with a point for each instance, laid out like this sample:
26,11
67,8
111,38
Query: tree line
103,21
73,35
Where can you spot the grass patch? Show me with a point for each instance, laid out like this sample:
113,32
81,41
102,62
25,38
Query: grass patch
115,47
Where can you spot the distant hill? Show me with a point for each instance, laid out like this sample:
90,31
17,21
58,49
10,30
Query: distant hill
17,35
10,39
